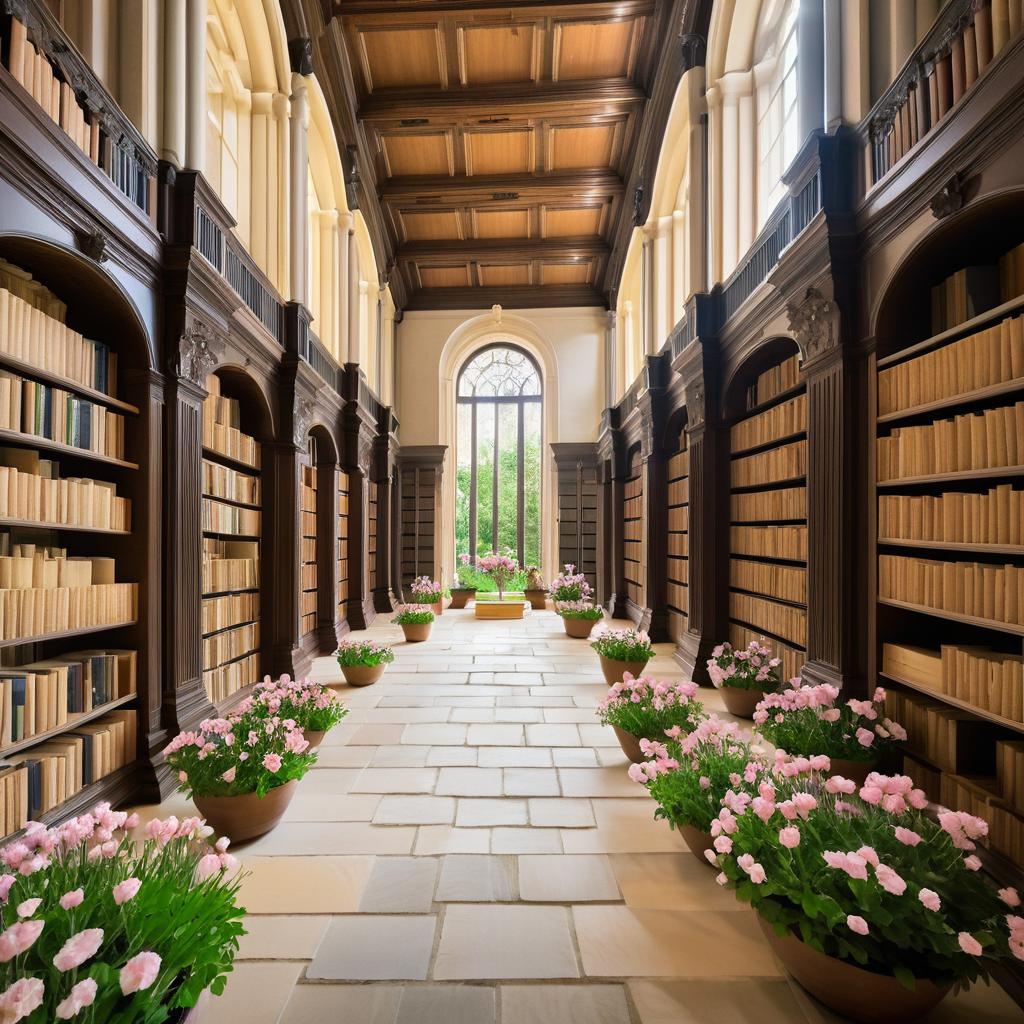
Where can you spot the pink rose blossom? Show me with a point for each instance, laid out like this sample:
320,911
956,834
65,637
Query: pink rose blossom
229,775
969,944
272,762
929,899
81,996
139,973
790,837
889,880
126,890
868,853
73,898
722,878
6,881
78,949
28,907
907,836
857,924
22,999
723,844
1009,897
972,863
17,938
207,866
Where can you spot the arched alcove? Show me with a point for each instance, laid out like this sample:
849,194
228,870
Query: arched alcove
676,522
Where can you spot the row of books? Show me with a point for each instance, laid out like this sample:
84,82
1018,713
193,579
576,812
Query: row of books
221,432
1011,268
229,645
679,491
785,582
220,683
47,499
341,566
44,695
230,565
788,542
783,503
678,567
24,566
1010,772
995,517
774,381
992,356
966,293
784,463
632,530
993,592
679,464
35,781
221,518
951,739
307,577
990,439
20,282
224,482
679,519
679,545
58,415
989,680
307,524
36,74
229,610
779,421
33,612
678,599
781,620
740,636
308,550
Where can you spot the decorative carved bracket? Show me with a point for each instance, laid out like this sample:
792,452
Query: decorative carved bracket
949,198
198,351
694,393
364,452
300,55
305,413
814,323
694,48
93,244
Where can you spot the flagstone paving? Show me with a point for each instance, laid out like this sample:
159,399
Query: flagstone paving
470,850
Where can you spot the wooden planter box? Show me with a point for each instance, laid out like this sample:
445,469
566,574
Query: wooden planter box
499,609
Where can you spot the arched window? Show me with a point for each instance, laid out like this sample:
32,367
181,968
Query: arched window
498,484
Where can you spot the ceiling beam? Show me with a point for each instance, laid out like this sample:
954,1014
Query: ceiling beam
533,248
355,8
507,296
477,187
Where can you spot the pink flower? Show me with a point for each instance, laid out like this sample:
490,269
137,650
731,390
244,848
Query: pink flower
28,907
723,844
972,863
969,944
73,898
889,880
865,737
23,998
81,996
757,875
789,837
907,836
126,890
1009,897
229,775
929,899
6,881
272,762
857,924
78,949
140,972
207,866
804,803
868,853
16,939
722,878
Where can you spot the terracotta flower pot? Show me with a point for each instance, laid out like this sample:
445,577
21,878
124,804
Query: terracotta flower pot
741,702
315,737
858,771
852,991
499,609
630,745
538,599
246,816
415,632
698,842
461,595
364,675
614,670
438,607
579,629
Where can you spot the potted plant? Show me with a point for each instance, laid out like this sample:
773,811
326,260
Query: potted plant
415,620
314,708
242,770
621,651
362,662
465,582
501,569
579,617
690,779
429,592
644,710
536,590
876,907
98,927
805,719
569,586
744,677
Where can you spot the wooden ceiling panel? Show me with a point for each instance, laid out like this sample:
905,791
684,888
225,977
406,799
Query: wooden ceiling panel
499,152
417,153
453,276
565,273
430,225
498,53
578,146
403,56
501,223
590,50
574,222
501,275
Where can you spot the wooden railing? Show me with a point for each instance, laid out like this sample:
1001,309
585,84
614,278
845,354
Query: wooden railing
965,38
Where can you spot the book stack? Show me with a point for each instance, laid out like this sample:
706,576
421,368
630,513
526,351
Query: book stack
371,532
308,596
776,542
784,504
632,538
991,439
773,382
230,610
780,421
224,681
741,636
991,592
221,518
232,484
990,357
31,69
950,738
35,781
780,620
230,565
994,517
678,540
221,432
230,644
969,292
26,289
342,570
1011,273
782,582
787,462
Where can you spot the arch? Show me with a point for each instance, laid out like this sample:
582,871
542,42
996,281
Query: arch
327,449
767,354
674,427
255,411
511,347
469,337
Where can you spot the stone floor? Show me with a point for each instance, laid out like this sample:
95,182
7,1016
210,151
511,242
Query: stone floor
469,850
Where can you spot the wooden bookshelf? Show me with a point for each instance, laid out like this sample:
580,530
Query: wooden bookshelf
949,611
232,531
768,514
677,570
371,535
308,566
343,535
632,534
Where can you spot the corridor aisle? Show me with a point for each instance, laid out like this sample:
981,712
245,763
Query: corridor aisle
470,849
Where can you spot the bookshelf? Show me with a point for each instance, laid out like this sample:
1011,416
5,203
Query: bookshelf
343,535
68,495
308,569
232,530
949,529
632,532
677,570
768,508
371,535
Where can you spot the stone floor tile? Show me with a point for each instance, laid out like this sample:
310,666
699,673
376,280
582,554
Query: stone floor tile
612,757
470,701
375,948
469,782
669,881
400,885
598,736
402,755
514,757
574,757
534,700
495,735
331,780
518,678
326,807
471,715
468,878
618,941
353,1004
446,1004
256,992
567,879
396,780
564,1004
415,810
561,716
525,840
374,735
304,885
738,1001
505,942
282,936
344,757
608,782
436,839
553,736
452,757
297,839
452,733
521,715
531,782
473,813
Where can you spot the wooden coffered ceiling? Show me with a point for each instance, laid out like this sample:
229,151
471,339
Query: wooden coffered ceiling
501,140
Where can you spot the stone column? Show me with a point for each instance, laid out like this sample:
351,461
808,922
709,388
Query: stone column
195,86
341,282
279,181
175,48
353,299
298,194
679,292
661,283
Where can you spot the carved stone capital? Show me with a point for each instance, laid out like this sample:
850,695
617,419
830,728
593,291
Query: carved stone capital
693,48
364,452
300,55
198,351
949,198
814,322
305,412
92,244
694,396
